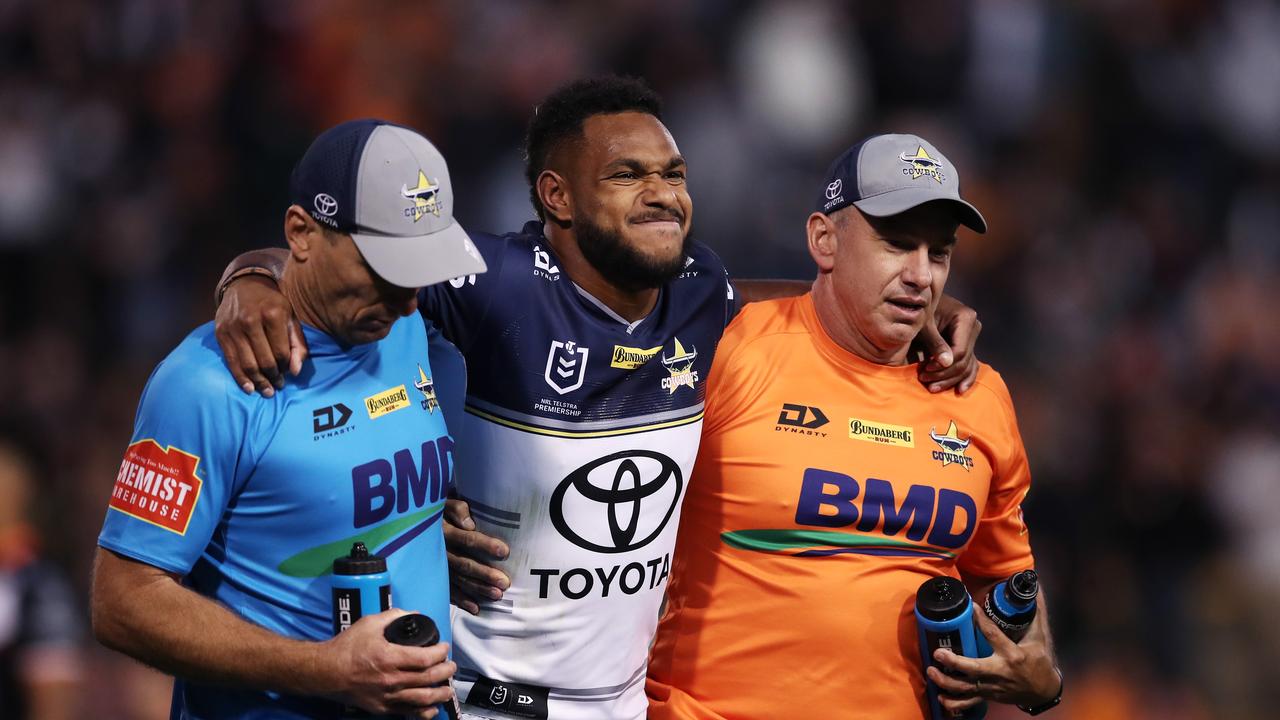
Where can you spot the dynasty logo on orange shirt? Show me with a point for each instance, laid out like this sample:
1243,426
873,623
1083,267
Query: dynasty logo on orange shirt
157,486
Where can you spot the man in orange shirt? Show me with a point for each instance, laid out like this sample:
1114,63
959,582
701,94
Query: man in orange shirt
829,484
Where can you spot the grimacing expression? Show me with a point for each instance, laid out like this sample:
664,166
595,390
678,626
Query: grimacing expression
631,206
360,306
890,272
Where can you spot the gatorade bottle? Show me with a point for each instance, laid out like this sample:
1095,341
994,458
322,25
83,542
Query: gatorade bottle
1011,605
944,619
361,586
420,631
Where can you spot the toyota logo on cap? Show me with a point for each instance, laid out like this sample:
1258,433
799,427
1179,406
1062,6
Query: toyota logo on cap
833,189
325,204
617,503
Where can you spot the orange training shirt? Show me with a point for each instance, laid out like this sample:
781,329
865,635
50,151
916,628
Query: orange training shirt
826,490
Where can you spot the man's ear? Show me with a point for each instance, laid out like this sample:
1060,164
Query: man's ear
820,230
557,201
301,232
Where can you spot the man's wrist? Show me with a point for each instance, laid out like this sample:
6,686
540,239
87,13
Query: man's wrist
242,272
1051,703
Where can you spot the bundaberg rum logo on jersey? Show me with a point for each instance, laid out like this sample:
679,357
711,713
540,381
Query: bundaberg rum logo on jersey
953,447
428,390
921,165
387,401
425,196
631,358
680,365
883,433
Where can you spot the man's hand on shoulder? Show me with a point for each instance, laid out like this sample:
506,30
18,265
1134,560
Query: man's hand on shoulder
259,337
948,340
384,678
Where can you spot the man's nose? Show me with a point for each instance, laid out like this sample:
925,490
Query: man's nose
918,271
659,193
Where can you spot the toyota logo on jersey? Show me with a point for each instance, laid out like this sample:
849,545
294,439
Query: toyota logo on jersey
617,503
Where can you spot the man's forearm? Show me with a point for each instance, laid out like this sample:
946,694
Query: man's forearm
267,261
143,612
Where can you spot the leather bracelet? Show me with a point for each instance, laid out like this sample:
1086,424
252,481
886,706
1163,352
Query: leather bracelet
242,272
1037,709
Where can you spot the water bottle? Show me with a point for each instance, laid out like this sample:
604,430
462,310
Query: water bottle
420,631
944,619
1011,605
361,586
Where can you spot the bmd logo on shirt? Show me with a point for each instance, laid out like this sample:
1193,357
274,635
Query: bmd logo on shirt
937,522
393,502
382,486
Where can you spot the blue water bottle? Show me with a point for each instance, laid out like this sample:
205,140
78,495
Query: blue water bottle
361,586
944,619
1011,605
418,630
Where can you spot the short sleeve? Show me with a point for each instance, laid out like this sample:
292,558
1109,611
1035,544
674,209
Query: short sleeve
182,467
1001,545
458,306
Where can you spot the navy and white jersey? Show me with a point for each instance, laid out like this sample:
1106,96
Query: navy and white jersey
576,447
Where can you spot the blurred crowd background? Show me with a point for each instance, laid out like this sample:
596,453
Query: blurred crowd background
1125,152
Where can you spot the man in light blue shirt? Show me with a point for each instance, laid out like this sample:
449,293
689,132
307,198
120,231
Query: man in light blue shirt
229,509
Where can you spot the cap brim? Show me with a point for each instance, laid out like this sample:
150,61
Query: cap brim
898,201
421,260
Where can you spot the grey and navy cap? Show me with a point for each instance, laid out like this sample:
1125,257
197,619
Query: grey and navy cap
387,187
888,174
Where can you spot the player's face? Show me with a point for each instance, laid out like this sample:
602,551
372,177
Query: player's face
632,210
890,272
360,305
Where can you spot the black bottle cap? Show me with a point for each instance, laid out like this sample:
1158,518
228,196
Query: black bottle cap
942,598
359,562
415,630
1023,587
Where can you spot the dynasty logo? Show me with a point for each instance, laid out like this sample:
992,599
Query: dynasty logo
953,447
425,197
921,165
428,390
680,365
801,419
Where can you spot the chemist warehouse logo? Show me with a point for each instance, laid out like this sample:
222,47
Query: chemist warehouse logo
158,486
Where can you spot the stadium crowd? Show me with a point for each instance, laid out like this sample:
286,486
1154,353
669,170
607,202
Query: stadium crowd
1126,154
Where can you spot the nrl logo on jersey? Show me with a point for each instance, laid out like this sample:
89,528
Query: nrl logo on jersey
425,197
953,447
428,390
680,365
566,366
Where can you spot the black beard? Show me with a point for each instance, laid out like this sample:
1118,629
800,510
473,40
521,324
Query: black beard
620,264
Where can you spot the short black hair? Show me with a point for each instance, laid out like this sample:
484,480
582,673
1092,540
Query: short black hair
561,115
